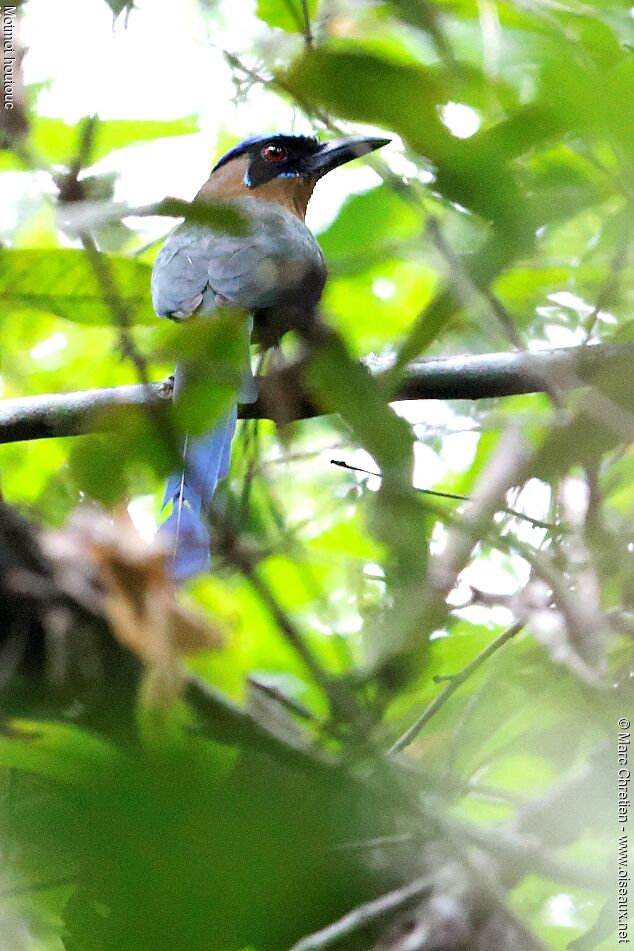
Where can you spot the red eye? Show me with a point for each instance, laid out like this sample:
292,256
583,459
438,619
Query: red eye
274,153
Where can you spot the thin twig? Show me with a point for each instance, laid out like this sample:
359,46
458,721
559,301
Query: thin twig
454,683
342,700
365,915
508,466
275,82
610,286
230,723
101,269
309,39
272,692
377,842
454,496
103,273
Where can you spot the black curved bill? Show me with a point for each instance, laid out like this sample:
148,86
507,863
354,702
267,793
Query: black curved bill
339,151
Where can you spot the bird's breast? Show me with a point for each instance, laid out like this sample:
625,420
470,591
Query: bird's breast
288,269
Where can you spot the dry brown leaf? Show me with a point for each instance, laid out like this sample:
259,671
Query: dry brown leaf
139,598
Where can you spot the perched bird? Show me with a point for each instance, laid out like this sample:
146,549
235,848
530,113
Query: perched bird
275,272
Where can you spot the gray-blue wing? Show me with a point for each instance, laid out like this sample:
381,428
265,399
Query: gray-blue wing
194,267
255,272
180,274
250,271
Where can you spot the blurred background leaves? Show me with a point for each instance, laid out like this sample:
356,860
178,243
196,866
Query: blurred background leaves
499,218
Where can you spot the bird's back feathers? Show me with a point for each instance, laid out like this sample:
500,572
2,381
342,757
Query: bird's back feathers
277,273
277,261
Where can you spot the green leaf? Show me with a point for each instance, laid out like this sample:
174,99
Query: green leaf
395,95
343,386
379,215
481,269
617,103
126,460
211,214
58,141
214,354
54,750
285,14
398,519
424,15
388,296
369,88
62,282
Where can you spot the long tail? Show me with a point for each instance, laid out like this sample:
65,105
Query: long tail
205,461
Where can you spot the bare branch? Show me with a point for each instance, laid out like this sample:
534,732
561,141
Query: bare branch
364,915
409,648
483,376
453,683
309,40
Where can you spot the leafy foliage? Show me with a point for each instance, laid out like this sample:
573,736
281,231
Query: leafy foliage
411,685
287,15
61,282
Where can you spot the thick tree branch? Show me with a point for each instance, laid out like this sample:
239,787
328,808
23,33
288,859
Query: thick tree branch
483,376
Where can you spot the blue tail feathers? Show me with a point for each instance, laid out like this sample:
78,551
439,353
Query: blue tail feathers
206,460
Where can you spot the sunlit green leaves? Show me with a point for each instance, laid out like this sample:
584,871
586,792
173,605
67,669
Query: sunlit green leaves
376,308
353,83
58,141
56,751
380,217
213,353
62,282
286,14
126,461
397,518
343,386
